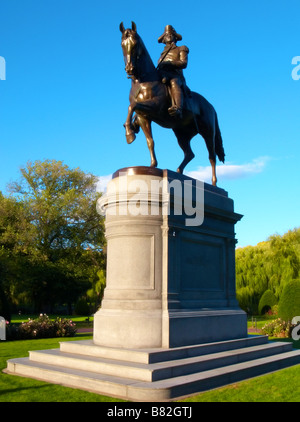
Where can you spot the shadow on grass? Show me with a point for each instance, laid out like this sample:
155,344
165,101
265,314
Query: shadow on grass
83,334
296,343
19,389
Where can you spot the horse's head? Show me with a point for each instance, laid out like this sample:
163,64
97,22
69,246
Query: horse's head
131,48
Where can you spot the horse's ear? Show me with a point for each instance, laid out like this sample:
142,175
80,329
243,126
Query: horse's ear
133,26
122,29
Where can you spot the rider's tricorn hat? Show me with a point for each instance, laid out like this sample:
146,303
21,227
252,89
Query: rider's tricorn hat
169,28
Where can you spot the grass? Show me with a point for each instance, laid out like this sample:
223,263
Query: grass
259,321
19,389
280,386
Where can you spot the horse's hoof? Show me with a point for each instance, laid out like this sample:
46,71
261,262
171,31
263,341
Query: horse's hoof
130,137
153,164
179,170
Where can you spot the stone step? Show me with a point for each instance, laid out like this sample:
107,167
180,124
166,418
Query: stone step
161,390
157,371
206,380
70,377
88,347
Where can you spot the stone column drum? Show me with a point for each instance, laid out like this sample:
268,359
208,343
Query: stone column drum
170,283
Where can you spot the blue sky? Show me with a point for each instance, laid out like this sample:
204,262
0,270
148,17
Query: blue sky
65,96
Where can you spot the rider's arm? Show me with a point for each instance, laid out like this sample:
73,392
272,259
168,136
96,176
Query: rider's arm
181,62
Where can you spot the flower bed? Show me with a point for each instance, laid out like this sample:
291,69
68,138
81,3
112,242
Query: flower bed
278,328
41,327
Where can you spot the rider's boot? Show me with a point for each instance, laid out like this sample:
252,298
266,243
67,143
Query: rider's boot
176,109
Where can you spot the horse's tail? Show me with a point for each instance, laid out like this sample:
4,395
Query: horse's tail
219,142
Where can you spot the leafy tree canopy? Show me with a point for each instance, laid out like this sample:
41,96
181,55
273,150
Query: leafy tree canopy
269,265
51,236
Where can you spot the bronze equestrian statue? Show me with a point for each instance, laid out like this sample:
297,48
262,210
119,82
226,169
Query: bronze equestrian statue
160,94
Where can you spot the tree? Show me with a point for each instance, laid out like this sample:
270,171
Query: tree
16,231
59,210
5,308
95,293
266,302
286,257
269,265
15,237
289,304
62,203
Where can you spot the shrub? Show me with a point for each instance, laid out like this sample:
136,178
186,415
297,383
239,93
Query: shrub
42,327
289,303
273,310
267,301
82,307
64,328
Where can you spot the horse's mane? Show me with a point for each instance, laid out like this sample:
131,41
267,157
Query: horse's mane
146,65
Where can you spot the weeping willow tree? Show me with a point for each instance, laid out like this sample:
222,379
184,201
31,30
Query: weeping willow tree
269,265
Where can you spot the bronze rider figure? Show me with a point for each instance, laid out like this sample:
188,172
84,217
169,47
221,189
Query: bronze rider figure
172,61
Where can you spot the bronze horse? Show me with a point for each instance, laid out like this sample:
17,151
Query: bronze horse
150,99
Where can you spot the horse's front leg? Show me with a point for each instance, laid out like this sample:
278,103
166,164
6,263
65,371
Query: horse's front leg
145,124
129,133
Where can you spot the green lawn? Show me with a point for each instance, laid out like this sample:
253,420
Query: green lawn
19,389
259,321
281,386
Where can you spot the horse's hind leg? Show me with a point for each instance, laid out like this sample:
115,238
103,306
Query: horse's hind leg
213,167
184,140
145,124
209,140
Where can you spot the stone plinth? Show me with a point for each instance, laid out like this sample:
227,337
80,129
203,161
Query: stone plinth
170,263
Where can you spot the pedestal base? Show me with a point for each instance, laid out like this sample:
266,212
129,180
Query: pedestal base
146,329
128,328
154,374
203,326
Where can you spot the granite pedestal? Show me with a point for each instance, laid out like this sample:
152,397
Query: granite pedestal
170,262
